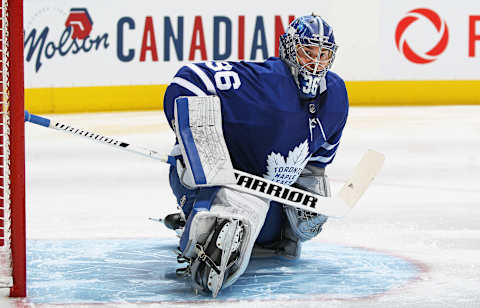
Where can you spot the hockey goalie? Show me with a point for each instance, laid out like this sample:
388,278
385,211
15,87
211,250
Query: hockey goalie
282,119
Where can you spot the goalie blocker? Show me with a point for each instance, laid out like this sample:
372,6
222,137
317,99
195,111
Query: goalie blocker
198,126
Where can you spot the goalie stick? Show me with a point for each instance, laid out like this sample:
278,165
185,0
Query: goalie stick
338,206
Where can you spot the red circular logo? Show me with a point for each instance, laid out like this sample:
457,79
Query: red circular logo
439,24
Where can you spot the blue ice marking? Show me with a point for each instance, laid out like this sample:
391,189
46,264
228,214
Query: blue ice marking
143,270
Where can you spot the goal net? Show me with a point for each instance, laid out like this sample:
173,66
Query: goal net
12,150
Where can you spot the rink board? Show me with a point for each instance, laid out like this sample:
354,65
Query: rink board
143,271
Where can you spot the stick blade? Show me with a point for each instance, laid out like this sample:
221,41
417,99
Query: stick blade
364,173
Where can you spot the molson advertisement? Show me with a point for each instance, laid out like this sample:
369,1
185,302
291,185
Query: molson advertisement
111,42
115,55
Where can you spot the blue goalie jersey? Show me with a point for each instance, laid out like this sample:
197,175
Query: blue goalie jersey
268,129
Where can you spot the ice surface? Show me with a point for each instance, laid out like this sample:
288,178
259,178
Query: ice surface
143,270
424,206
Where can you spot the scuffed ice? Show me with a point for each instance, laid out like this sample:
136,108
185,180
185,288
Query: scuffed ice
143,270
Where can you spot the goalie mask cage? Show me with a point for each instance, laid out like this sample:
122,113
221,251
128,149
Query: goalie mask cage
12,151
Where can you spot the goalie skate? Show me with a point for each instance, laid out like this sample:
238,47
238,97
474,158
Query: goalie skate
216,258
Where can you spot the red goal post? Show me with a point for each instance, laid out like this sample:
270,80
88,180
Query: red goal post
12,151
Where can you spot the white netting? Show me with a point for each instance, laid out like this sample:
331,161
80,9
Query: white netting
5,251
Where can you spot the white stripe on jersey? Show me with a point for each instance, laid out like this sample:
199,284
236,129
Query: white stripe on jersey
189,86
322,159
321,128
327,146
206,81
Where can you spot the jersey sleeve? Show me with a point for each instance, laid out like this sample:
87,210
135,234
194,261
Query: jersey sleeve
190,80
327,151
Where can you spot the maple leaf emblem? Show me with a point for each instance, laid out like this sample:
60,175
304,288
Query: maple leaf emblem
286,171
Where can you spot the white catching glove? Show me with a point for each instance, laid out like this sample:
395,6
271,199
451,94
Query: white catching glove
306,225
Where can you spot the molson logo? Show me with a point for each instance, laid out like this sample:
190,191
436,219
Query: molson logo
75,38
405,48
81,22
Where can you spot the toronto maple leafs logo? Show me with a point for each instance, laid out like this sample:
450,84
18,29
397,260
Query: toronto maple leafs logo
287,171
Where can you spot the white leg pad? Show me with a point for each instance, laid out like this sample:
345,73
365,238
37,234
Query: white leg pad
230,204
252,211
